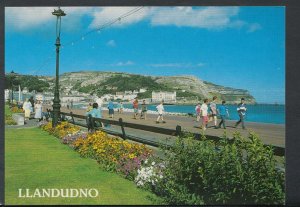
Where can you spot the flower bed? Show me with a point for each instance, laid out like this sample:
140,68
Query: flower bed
111,153
9,120
15,109
8,115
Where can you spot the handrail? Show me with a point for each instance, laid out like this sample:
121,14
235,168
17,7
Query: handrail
278,150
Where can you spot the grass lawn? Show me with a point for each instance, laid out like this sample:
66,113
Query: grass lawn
35,159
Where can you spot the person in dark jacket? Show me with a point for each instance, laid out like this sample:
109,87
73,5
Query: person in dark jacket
31,100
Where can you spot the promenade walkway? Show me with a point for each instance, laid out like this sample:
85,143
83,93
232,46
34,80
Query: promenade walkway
270,133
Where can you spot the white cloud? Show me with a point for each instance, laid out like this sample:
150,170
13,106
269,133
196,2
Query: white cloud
22,18
25,18
254,27
207,17
111,43
123,63
106,14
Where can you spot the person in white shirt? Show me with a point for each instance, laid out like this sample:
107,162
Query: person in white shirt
213,109
38,111
160,109
204,114
99,101
197,109
241,109
27,108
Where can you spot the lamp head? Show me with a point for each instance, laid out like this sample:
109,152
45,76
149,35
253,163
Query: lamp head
58,12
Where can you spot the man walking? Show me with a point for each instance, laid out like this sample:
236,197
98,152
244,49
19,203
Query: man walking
241,109
160,109
135,106
143,110
223,111
213,109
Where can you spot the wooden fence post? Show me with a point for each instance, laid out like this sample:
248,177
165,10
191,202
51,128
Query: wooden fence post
122,127
178,130
72,117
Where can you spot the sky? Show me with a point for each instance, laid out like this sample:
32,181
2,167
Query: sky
240,47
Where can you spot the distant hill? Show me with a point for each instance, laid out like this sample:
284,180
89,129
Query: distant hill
96,82
189,89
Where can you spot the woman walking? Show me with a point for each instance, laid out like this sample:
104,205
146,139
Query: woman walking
204,114
38,111
27,108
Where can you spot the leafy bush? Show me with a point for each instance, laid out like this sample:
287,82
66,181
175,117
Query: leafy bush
227,172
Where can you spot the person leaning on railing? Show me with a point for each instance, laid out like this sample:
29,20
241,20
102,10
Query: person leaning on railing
95,113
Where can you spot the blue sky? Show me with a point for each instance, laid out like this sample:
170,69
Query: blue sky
241,47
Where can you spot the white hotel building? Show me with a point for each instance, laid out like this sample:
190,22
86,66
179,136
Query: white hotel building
169,97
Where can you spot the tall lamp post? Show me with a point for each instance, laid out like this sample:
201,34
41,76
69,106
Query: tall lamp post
12,74
56,102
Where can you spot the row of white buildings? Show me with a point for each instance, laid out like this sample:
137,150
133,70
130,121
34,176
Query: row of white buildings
156,96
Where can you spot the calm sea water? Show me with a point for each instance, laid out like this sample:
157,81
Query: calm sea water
265,113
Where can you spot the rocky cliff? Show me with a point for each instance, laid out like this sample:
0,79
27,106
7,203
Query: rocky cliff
93,81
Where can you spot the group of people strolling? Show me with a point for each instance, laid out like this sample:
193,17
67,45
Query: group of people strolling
95,110
209,112
31,106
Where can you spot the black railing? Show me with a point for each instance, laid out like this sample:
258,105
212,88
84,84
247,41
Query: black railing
90,124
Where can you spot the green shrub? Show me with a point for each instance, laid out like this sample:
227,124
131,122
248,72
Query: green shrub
239,171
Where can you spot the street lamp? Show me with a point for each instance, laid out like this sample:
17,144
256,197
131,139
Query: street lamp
56,102
12,75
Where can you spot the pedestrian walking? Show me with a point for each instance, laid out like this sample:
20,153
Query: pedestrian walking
121,108
71,105
204,114
135,106
213,110
111,109
223,112
197,109
38,111
31,100
27,109
143,110
160,109
241,109
90,107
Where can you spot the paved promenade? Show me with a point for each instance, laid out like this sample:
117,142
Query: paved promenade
270,133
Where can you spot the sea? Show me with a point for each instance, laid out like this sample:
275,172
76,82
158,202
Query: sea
263,113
